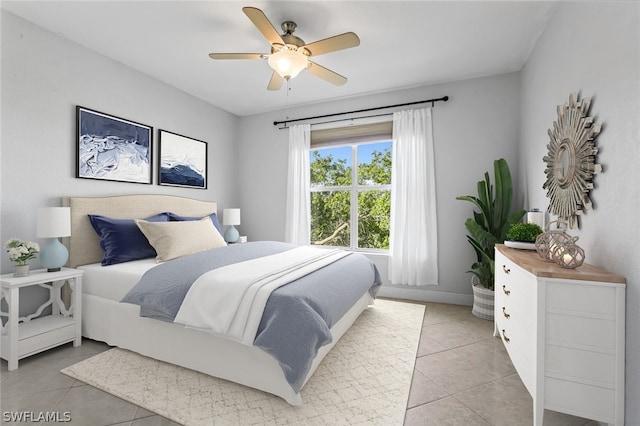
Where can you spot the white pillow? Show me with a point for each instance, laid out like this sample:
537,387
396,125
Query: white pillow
175,239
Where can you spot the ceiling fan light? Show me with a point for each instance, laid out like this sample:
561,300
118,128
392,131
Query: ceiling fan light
288,63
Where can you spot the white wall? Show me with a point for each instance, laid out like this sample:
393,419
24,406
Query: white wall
593,48
479,124
44,77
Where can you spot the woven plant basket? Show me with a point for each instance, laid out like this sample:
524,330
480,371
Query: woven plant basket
482,300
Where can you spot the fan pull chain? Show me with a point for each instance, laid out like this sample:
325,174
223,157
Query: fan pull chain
288,80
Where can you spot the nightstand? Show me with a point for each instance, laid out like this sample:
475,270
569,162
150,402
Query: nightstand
26,336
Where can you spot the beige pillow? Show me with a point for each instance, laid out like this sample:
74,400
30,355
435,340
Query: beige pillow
175,239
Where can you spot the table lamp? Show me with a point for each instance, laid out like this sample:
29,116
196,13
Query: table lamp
54,222
231,217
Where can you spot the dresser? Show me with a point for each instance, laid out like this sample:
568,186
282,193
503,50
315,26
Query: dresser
564,331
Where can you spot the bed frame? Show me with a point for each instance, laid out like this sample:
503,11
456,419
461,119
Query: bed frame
119,324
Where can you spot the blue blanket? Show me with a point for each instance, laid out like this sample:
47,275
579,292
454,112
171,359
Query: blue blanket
297,317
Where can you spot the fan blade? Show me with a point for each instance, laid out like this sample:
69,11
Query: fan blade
276,82
235,55
331,44
326,74
263,24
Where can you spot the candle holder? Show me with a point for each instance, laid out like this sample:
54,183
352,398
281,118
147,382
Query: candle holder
548,241
569,255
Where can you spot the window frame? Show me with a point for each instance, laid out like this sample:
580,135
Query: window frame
354,189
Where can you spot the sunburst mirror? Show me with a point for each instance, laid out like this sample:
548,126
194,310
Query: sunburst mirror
571,161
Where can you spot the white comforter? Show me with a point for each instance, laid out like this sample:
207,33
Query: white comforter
230,300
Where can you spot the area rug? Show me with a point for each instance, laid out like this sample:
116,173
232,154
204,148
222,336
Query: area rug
365,379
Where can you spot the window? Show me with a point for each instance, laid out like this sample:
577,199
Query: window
350,206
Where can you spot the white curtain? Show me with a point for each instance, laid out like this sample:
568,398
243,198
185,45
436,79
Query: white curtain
413,240
298,215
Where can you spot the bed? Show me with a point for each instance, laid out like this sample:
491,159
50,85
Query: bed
105,318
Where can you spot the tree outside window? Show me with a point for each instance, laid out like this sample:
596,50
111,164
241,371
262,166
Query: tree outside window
350,206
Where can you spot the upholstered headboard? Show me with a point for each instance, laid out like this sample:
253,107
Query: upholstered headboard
84,245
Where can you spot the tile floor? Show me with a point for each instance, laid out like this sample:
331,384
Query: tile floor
462,376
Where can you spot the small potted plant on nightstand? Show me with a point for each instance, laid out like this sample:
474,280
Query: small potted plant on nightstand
20,252
487,228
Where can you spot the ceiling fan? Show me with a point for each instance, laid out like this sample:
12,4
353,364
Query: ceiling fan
289,53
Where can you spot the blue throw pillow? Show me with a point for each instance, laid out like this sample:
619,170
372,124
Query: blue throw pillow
121,240
177,218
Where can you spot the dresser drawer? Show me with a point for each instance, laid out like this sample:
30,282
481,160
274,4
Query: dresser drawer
594,402
519,345
515,335
582,331
595,367
511,275
583,297
515,306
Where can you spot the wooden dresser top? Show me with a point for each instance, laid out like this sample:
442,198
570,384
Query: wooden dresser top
531,261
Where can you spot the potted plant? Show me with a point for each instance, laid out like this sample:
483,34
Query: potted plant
20,252
489,227
524,232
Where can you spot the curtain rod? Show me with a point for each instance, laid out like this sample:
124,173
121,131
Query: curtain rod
433,101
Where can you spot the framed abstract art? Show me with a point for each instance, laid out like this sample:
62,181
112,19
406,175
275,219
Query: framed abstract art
183,161
112,148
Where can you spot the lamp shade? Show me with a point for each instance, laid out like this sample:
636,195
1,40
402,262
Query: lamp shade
231,217
288,63
54,222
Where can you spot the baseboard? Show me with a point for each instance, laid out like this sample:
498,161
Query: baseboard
426,295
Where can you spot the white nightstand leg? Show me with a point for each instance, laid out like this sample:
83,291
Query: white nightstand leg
77,309
12,332
55,296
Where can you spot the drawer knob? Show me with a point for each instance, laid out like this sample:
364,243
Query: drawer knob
505,269
504,289
504,312
504,336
